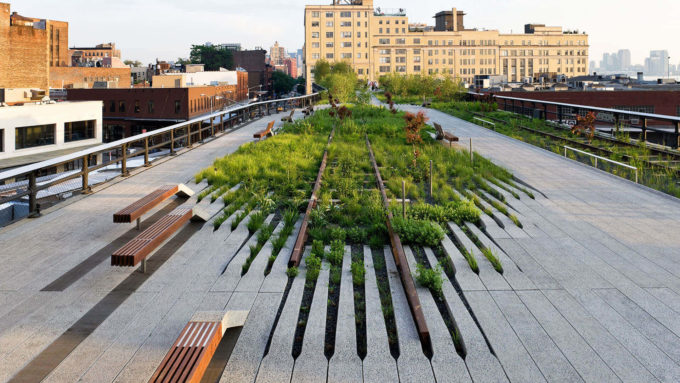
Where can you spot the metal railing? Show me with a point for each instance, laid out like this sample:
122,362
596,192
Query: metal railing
534,107
484,121
603,159
172,138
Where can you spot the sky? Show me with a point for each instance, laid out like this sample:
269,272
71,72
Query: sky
150,29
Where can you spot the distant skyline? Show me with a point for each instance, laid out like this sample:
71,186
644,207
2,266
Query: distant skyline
150,29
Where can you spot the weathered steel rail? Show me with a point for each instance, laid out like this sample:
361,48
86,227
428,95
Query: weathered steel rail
296,255
402,263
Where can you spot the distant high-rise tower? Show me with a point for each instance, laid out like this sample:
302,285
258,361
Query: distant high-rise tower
277,54
624,59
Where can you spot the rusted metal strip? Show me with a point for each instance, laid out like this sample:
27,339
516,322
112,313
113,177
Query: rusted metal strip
401,262
296,255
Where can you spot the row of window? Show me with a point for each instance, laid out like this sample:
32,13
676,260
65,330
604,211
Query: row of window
41,135
122,107
330,24
396,30
344,14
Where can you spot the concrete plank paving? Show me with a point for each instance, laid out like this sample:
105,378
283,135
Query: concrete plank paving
482,365
277,365
379,365
550,359
492,279
581,356
466,278
447,365
345,366
412,363
311,365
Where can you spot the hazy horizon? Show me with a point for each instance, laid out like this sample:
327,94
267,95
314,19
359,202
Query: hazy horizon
166,30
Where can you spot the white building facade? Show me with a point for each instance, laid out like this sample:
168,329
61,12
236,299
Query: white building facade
37,129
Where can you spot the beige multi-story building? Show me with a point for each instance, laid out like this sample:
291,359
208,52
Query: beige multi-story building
377,42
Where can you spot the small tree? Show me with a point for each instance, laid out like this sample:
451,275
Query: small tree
414,123
585,126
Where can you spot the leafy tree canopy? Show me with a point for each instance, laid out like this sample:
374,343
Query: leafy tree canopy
212,57
282,82
135,63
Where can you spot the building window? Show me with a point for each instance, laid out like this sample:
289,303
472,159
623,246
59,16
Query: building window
315,14
401,69
329,44
315,35
360,71
112,106
2,140
345,14
347,44
416,41
384,41
150,107
315,23
401,41
346,55
316,56
315,44
329,24
329,14
329,35
79,130
177,106
677,112
121,106
32,136
346,34
416,68
385,69
137,108
329,56
346,24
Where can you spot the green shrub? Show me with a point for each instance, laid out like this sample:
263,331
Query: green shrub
358,273
357,235
376,242
337,233
336,254
278,244
418,232
292,272
317,249
313,264
255,222
319,234
430,278
290,217
264,234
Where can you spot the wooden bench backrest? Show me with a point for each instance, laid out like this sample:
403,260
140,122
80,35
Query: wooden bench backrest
270,126
144,204
439,129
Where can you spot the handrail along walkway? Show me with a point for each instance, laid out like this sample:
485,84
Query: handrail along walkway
603,159
178,133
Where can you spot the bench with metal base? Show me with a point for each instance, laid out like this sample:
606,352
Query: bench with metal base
190,355
135,210
264,133
136,251
288,118
442,135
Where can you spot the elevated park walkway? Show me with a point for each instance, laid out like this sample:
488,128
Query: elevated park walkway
590,290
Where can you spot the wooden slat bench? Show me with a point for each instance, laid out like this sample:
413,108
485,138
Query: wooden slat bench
426,103
308,111
289,118
264,133
190,355
135,210
146,242
442,135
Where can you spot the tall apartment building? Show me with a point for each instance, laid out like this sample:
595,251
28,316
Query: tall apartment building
377,42
277,54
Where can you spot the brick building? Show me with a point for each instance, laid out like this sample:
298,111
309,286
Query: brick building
30,47
38,56
79,56
259,72
128,112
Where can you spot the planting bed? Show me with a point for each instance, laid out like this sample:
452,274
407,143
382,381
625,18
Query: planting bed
369,178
